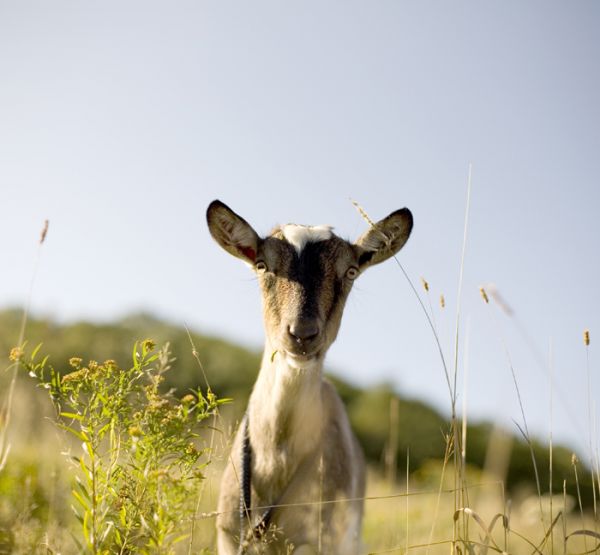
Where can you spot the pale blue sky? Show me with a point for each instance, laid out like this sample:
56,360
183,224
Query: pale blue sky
121,121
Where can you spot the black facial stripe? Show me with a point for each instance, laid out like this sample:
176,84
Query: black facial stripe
318,290
309,271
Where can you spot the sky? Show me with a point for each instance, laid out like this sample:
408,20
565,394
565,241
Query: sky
121,121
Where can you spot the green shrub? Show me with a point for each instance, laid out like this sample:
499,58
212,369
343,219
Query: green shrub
139,466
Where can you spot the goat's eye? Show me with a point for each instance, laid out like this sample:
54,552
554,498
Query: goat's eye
260,266
352,273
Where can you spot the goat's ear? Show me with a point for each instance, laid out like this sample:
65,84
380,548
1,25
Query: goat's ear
385,238
232,232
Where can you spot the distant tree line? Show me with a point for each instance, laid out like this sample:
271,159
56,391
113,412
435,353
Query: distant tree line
230,371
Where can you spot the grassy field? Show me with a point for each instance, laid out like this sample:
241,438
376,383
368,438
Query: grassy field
414,516
127,466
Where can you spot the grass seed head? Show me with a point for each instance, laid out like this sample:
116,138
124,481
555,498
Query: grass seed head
484,295
586,337
44,231
442,301
425,284
363,213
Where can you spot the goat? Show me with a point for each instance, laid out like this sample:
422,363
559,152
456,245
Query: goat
295,459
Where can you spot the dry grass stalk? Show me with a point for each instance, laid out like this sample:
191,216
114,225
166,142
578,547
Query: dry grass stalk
459,470
550,462
415,292
450,449
595,470
574,463
391,452
6,409
407,482
213,429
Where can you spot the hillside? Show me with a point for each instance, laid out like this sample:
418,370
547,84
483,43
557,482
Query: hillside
230,370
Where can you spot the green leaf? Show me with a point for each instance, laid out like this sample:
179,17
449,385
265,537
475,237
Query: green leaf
71,415
100,433
123,516
134,356
81,500
180,538
77,515
35,352
86,471
82,488
86,527
78,435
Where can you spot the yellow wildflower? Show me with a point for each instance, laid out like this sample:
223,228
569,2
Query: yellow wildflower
148,345
188,399
15,354
75,362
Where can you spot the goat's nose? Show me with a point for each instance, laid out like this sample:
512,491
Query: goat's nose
304,330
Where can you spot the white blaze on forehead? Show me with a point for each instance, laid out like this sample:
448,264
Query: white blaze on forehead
299,235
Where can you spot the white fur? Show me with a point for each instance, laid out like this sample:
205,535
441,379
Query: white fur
282,394
301,364
299,235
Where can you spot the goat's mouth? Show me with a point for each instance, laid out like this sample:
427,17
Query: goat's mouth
306,361
300,354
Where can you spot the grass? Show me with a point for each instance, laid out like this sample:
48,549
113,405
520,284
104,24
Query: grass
35,496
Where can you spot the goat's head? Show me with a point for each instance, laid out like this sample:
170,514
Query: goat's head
305,274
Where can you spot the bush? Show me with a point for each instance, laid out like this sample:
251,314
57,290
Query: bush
140,462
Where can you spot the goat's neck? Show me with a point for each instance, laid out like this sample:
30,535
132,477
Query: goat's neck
286,410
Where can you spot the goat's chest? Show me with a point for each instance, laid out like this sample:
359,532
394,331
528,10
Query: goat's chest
286,418
284,442
271,472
